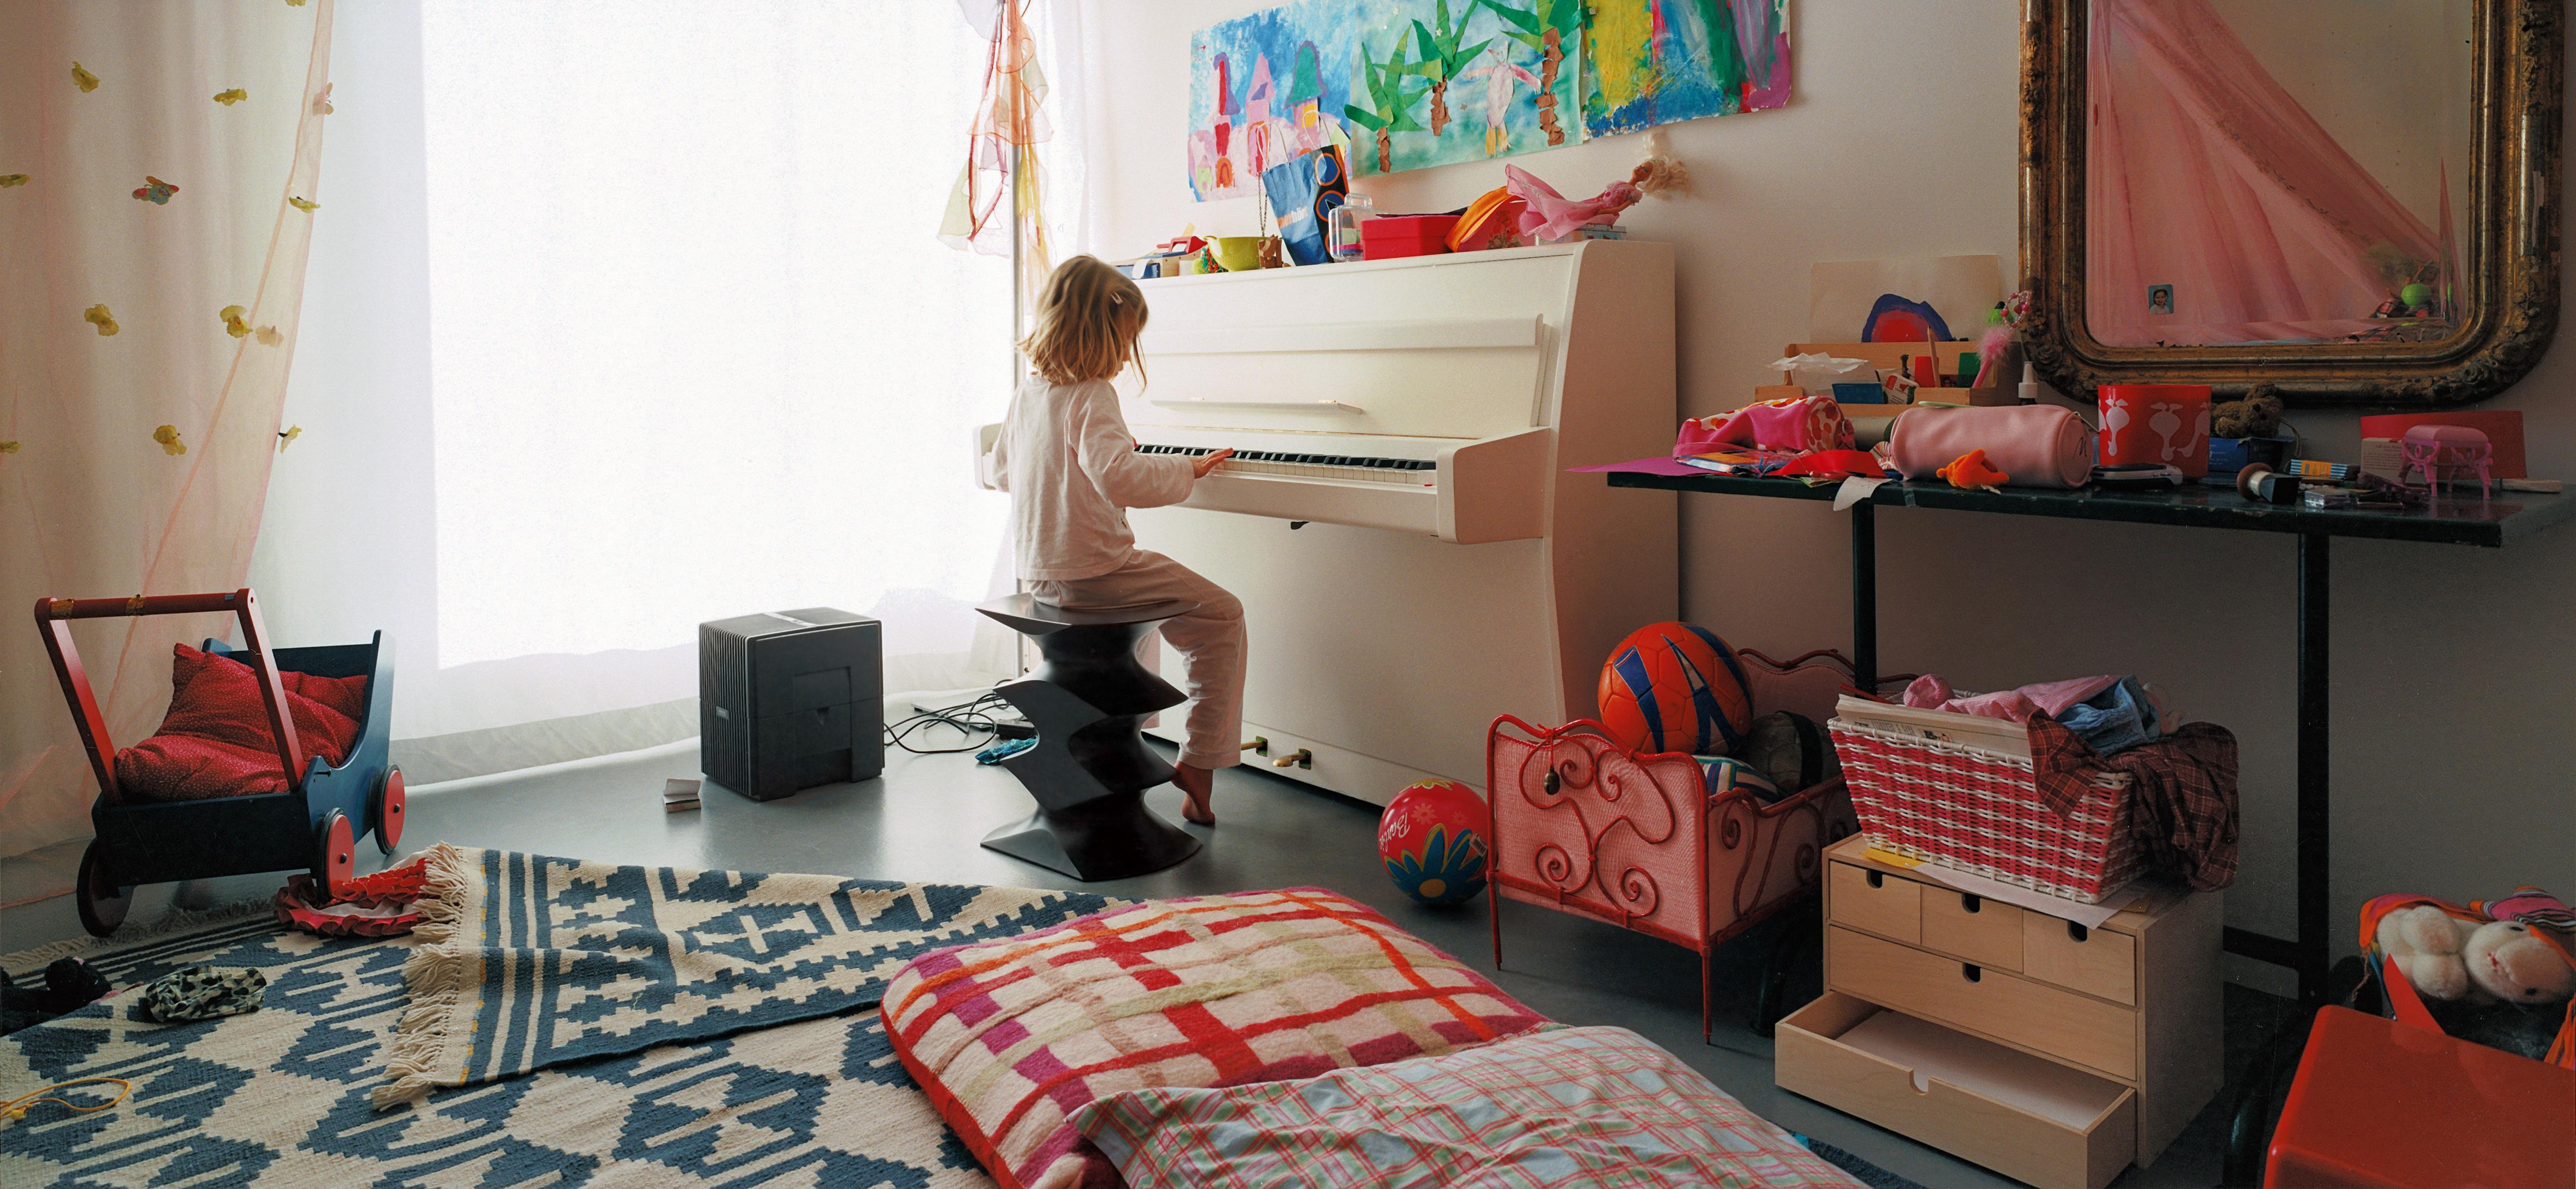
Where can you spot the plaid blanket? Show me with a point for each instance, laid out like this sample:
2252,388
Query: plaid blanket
1599,1107
1010,1036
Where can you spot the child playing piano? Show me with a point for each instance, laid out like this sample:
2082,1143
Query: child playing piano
1072,470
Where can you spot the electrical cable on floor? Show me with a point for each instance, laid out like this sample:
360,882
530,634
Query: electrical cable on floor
16,1108
979,721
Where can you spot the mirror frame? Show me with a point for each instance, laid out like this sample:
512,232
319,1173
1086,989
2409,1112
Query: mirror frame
2512,232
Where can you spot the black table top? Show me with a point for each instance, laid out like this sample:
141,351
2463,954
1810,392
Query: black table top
2455,519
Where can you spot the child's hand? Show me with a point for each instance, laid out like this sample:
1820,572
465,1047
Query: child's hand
1207,462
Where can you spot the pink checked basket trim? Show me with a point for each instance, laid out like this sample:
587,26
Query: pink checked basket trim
1980,811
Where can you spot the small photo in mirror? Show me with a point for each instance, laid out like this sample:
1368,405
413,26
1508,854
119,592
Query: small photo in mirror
2160,299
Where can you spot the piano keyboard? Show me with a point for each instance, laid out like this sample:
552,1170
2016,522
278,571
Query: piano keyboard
1408,472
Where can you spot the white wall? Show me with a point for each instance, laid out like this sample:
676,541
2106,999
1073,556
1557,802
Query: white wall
2452,727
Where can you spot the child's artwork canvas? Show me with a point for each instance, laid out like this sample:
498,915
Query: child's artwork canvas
1434,82
1263,89
1649,62
1405,84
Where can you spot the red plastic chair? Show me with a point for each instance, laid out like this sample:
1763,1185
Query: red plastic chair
2382,1104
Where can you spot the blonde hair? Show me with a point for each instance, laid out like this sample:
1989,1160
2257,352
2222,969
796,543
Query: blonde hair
1089,315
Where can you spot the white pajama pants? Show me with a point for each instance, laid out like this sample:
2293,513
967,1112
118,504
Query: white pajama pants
1210,640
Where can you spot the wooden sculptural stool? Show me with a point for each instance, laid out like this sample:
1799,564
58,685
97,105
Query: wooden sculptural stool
1089,768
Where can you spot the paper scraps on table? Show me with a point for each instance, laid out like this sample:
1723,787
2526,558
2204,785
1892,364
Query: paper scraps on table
322,102
83,79
286,437
168,436
301,203
98,316
679,796
268,336
234,321
12,179
155,191
231,97
1854,490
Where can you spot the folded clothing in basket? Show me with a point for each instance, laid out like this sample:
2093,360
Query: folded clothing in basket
2111,714
2184,819
216,742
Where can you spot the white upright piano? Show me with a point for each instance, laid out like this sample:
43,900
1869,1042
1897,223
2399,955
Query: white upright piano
1412,556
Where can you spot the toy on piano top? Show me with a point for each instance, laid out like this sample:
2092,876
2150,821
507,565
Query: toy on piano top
1432,839
1675,687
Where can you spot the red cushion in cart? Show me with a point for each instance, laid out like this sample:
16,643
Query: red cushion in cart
216,742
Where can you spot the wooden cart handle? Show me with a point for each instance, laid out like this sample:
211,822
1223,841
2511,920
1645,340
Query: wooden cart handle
53,618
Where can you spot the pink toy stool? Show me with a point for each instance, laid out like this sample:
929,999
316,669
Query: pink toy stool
2444,453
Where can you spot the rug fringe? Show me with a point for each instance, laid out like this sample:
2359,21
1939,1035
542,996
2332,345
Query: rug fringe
436,976
175,921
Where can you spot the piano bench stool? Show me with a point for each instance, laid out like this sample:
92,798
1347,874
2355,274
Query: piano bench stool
1089,768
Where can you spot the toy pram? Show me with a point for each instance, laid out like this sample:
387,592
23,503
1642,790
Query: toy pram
313,825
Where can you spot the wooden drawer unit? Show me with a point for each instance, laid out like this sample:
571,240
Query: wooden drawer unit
1875,901
2133,1004
2027,1118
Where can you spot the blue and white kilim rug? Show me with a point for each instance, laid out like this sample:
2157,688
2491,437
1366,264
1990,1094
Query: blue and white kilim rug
281,1096
526,962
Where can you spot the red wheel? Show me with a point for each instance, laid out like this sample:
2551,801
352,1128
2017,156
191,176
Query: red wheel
336,862
389,811
101,903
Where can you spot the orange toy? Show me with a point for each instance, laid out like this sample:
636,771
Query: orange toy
1972,470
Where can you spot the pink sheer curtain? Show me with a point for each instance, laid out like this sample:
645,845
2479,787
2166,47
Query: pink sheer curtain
144,344
2202,173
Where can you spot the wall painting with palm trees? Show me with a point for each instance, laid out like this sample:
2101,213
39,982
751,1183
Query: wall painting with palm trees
1405,84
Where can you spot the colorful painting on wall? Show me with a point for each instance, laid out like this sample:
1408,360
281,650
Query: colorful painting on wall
1405,84
1263,89
1649,62
1434,83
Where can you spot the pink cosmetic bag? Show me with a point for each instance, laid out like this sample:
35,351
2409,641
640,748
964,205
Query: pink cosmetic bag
2038,445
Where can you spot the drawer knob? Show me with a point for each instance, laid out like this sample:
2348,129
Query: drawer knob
1878,879
1971,902
1971,972
2077,932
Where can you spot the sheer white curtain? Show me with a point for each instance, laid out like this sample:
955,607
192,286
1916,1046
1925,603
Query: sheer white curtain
635,316
694,351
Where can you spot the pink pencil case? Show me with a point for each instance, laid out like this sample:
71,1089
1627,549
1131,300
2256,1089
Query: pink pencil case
2038,445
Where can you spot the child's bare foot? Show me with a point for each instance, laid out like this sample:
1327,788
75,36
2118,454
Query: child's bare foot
1196,784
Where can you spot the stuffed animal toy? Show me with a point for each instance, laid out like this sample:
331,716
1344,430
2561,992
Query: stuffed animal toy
2256,416
2447,952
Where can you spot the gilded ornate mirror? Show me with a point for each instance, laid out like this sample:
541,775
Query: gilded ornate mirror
2353,200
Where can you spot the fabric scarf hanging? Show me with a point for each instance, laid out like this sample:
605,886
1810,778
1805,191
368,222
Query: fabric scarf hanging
159,180
999,191
2204,173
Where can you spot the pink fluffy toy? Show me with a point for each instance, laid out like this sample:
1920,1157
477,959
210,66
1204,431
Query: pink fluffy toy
1551,216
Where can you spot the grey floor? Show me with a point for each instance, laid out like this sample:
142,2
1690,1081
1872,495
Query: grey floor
922,820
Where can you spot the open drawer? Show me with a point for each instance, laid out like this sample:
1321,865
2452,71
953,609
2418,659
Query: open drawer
2027,1118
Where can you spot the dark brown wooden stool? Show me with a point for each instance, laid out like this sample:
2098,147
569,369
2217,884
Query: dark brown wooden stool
1090,768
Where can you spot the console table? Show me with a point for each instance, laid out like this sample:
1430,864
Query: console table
2453,520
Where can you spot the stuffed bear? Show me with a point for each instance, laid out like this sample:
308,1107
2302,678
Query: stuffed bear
2444,956
2256,416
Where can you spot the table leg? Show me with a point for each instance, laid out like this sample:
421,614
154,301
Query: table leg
2315,760
1864,547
